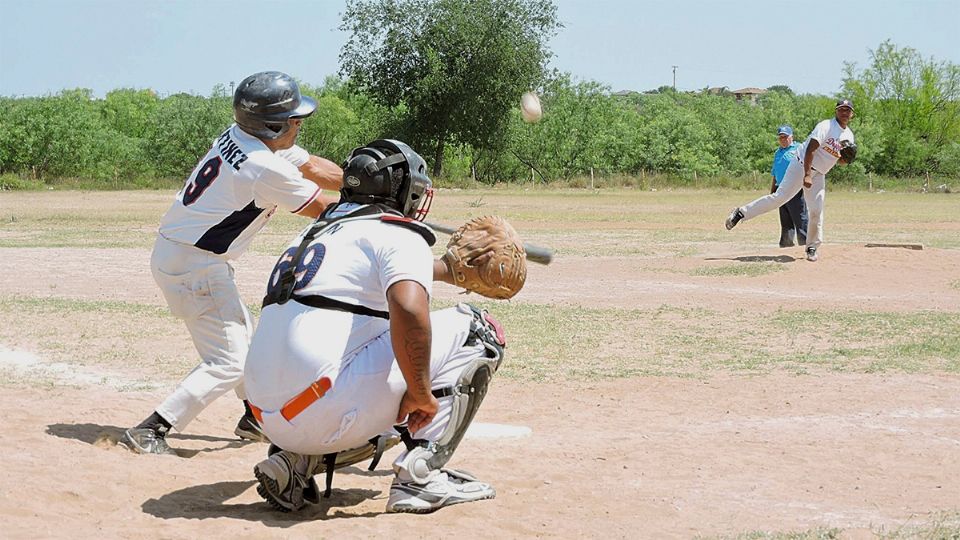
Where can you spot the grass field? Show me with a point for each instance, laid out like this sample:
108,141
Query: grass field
647,286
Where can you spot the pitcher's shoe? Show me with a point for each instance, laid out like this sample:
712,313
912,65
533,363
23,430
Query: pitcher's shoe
282,485
248,428
812,254
146,441
445,487
735,216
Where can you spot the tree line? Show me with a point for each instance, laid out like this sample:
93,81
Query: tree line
446,76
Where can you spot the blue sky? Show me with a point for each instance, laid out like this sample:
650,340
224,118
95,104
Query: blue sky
191,45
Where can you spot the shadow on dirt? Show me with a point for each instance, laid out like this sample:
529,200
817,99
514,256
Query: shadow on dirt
210,501
107,437
756,258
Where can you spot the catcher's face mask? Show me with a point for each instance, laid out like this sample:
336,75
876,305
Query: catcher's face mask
418,197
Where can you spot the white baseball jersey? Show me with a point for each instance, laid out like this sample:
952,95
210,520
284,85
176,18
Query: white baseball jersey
829,134
353,261
295,154
233,192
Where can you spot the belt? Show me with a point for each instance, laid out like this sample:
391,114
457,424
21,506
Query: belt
299,402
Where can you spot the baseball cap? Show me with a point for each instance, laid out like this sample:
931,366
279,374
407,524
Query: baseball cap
845,103
785,130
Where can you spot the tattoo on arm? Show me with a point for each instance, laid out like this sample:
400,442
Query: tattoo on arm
416,345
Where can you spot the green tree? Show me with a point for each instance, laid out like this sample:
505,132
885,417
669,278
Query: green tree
780,88
52,136
580,130
458,66
185,127
913,103
129,111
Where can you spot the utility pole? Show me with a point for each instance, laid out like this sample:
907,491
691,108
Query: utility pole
231,88
675,78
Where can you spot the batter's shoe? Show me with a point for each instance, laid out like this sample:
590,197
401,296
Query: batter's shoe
735,217
445,487
283,481
146,441
812,254
249,429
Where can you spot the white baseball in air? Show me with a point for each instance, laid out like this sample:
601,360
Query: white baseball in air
530,107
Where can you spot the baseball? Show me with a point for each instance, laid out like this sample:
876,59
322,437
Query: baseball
530,107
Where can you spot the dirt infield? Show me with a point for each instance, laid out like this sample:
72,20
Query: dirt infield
86,350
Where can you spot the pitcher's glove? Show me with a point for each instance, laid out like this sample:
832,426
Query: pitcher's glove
848,151
486,256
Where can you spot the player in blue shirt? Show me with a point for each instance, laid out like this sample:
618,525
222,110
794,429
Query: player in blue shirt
793,214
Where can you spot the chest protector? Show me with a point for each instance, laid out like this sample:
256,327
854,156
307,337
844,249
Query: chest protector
284,292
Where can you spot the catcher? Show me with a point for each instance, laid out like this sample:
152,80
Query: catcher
347,358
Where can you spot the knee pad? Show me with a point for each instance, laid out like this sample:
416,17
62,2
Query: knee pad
471,388
486,330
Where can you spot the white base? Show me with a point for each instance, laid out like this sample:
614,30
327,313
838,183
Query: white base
479,430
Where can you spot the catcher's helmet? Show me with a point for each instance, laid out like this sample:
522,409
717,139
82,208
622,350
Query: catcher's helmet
848,151
388,172
265,101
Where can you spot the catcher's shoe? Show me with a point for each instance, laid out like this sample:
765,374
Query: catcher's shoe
445,487
146,441
281,483
248,428
812,254
735,216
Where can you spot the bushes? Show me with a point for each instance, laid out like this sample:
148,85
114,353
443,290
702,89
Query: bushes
907,123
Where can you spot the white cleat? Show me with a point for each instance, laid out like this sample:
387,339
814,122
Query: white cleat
446,487
812,254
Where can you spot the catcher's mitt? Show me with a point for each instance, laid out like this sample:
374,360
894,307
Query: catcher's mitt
848,151
485,256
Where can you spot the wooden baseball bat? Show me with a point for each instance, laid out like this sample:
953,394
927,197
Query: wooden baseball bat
535,253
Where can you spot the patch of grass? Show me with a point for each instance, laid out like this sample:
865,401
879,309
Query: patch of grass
880,342
938,525
61,305
955,284
554,342
749,270
820,533
120,337
611,222
546,342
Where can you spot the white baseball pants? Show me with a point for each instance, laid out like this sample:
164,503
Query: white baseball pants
365,397
200,289
792,183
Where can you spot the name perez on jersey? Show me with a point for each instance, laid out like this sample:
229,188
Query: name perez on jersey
230,151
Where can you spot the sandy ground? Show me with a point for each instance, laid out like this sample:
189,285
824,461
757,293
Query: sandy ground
628,458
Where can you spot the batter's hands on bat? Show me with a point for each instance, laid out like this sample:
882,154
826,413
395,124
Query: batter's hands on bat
419,411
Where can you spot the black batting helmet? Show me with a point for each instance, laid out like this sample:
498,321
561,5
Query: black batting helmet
388,172
265,101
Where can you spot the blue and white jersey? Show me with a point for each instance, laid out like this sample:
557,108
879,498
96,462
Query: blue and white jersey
234,191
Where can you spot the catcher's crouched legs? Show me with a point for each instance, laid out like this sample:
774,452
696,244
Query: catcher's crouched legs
422,483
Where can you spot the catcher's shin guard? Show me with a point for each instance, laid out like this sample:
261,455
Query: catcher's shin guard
471,388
